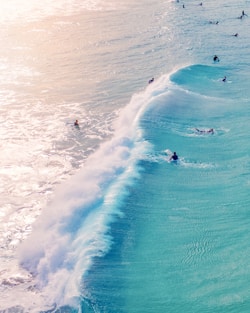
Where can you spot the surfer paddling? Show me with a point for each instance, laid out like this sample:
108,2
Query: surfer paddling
204,131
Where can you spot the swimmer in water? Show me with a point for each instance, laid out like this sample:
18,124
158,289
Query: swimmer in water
76,123
216,59
174,157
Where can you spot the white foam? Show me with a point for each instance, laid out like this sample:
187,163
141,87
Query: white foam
73,228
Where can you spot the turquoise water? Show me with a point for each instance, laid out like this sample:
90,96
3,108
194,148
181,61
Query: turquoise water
97,219
183,243
186,224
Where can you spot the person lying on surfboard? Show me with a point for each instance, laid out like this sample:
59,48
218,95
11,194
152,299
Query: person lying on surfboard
202,131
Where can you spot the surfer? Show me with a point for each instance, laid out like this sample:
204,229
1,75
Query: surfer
236,35
151,80
203,131
216,59
174,157
242,15
224,79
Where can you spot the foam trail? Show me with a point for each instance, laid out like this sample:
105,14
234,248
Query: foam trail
74,227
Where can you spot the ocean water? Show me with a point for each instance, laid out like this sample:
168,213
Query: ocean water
96,218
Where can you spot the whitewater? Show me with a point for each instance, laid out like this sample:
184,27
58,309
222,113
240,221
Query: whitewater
96,218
